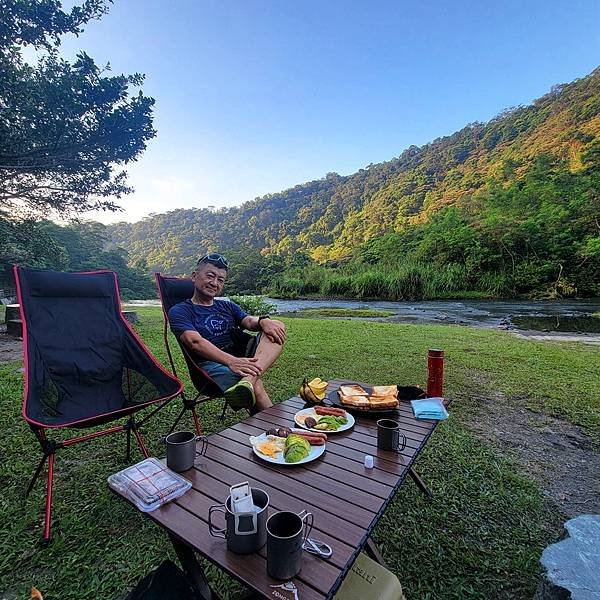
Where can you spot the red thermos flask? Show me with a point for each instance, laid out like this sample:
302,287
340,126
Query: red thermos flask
435,373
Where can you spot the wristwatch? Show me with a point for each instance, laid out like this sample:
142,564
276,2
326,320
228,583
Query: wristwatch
261,318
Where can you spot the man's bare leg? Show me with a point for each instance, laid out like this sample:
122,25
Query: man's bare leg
262,398
266,353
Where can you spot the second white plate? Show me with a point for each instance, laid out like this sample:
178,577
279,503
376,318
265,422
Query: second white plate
311,412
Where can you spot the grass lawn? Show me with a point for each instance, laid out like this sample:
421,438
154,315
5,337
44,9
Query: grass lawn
481,536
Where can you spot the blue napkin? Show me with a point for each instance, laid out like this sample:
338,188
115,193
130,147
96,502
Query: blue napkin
429,408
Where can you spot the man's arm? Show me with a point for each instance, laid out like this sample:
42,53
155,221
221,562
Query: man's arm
272,328
208,351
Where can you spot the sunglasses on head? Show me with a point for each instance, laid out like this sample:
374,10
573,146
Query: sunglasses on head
216,259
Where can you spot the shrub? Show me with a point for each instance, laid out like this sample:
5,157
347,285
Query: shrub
254,305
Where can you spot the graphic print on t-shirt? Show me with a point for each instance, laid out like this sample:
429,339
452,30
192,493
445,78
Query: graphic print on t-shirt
216,328
215,324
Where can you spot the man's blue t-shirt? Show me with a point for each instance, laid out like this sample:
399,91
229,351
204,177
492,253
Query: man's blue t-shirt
214,323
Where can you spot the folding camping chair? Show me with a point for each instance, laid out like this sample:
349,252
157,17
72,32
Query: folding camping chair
172,291
84,365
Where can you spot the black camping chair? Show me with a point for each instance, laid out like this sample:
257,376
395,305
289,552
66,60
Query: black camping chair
172,291
84,365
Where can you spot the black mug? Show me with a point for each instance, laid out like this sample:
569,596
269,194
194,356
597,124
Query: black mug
389,436
284,542
182,448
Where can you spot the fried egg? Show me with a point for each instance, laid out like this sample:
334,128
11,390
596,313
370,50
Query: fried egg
269,445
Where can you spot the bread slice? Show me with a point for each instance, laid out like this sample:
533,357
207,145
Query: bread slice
383,402
384,390
352,390
355,401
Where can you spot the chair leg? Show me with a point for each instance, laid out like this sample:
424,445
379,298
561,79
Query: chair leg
224,409
196,421
48,513
128,450
140,441
420,483
177,419
35,476
130,426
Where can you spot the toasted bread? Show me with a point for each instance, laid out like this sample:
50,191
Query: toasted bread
352,390
355,401
384,390
383,402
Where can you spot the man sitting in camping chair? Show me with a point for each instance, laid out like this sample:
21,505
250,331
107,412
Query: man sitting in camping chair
212,329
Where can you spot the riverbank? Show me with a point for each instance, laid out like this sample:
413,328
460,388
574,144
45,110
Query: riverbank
559,336
541,320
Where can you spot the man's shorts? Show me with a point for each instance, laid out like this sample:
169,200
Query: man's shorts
223,376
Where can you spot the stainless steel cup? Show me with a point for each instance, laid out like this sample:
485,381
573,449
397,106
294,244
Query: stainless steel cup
285,541
245,532
389,436
182,447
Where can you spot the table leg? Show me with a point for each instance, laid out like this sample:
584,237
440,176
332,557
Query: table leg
373,552
193,569
420,483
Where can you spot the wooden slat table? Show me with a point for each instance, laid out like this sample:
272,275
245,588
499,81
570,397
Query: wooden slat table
346,499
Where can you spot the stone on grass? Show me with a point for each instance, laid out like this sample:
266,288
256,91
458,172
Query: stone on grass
12,313
14,327
572,566
131,316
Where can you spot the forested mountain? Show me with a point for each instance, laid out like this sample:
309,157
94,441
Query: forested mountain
501,208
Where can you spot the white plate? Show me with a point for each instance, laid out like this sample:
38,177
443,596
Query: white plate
315,452
311,412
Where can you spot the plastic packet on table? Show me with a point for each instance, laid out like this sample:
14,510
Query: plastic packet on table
149,484
430,408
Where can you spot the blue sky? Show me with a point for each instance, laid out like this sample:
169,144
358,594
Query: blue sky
253,97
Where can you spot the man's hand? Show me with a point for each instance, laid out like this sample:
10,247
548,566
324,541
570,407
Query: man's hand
246,367
274,330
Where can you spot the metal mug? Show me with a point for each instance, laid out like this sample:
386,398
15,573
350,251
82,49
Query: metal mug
182,449
245,532
285,541
389,436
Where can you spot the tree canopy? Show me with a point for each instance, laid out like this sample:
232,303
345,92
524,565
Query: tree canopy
67,130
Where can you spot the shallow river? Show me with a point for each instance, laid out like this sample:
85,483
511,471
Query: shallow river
561,315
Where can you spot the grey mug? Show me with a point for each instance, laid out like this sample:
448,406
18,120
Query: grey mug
245,532
182,447
285,541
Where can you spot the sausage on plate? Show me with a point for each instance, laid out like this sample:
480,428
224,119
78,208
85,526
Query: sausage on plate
327,410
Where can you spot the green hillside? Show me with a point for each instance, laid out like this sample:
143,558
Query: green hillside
503,208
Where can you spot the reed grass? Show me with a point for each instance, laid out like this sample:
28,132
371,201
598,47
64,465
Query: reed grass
401,281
